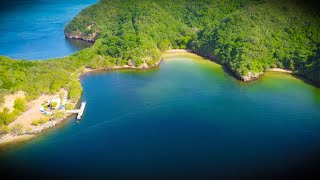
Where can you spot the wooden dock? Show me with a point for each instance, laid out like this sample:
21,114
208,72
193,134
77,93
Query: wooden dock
78,111
83,105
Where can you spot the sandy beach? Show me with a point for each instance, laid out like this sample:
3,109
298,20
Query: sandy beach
279,70
177,50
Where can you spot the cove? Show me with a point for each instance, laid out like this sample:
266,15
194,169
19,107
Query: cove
187,118
33,29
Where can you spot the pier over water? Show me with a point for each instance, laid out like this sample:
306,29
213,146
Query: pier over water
78,111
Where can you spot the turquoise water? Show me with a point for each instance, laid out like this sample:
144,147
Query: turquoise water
187,118
33,29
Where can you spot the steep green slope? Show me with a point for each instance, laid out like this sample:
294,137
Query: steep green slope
247,36
271,34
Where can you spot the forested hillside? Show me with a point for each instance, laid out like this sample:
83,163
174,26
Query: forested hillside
43,77
249,36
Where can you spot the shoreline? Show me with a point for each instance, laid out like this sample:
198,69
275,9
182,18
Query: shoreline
79,37
10,138
279,70
26,118
178,50
125,67
251,77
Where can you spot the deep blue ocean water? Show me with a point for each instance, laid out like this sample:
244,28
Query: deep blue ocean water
33,29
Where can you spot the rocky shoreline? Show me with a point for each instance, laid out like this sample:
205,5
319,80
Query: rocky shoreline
250,76
143,66
47,125
82,37
12,137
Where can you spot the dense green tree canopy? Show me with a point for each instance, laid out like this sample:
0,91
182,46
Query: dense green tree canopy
246,35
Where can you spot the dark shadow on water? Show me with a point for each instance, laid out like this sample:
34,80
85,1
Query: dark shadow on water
27,173
225,68
78,44
231,73
307,81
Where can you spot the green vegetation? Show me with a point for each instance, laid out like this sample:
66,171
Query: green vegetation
20,104
4,129
54,104
248,36
40,121
75,90
59,115
69,106
270,34
17,129
41,77
6,117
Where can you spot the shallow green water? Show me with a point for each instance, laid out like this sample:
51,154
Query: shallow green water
186,118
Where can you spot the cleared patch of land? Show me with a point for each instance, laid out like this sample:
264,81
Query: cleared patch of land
9,100
33,112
